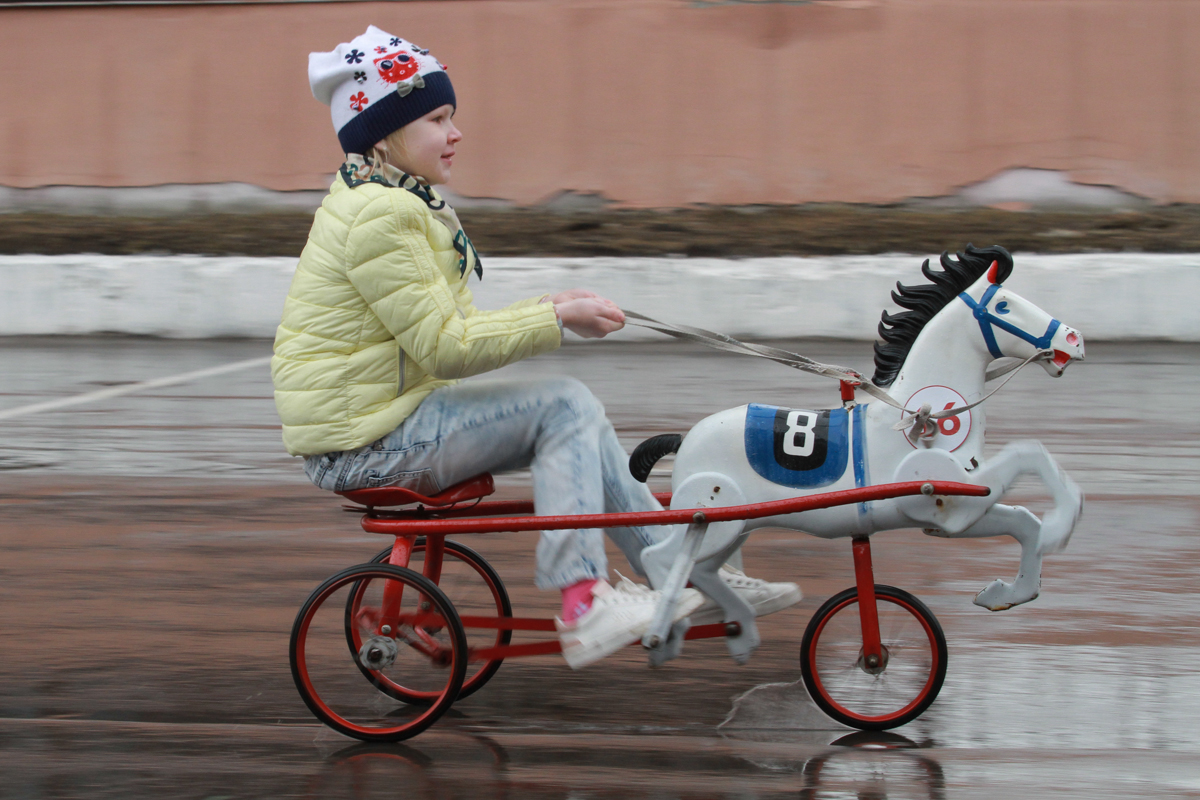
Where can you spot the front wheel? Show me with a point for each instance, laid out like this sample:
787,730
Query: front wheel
874,698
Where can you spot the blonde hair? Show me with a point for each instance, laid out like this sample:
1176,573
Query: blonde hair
394,150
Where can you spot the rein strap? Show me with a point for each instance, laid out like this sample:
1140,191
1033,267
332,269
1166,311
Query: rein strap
917,420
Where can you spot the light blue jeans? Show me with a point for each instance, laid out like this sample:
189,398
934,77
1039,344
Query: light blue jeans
555,426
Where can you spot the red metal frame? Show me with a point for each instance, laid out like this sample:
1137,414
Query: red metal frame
868,613
435,525
393,591
488,508
396,525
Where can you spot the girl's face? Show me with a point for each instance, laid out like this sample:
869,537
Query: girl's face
426,146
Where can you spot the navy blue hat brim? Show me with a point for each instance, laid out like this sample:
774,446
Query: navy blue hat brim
393,112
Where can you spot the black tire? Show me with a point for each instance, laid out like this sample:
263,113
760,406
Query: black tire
480,592
874,700
331,684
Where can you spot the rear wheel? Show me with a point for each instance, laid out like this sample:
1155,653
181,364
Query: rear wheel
395,610
476,590
897,691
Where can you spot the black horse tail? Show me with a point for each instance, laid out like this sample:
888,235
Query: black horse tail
647,454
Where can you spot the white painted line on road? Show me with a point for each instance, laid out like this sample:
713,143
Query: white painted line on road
130,388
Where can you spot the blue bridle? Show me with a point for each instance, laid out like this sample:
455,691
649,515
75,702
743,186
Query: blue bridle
987,319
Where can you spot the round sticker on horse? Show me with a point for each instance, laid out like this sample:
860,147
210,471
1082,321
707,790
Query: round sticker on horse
952,431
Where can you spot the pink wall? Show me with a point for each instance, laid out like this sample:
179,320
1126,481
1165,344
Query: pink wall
649,102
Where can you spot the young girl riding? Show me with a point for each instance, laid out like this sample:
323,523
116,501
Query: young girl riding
379,327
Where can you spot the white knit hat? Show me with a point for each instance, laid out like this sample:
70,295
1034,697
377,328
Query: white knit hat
376,84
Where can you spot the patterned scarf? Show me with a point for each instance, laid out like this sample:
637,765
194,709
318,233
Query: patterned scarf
358,170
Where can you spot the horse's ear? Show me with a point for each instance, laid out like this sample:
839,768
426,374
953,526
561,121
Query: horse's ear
993,272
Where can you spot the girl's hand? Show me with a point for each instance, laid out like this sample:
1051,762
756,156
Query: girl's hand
571,294
591,317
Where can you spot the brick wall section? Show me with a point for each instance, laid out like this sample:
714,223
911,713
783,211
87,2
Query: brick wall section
647,102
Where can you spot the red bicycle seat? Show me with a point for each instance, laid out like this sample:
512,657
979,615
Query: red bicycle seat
470,489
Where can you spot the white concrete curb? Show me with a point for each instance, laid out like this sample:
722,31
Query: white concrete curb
1106,295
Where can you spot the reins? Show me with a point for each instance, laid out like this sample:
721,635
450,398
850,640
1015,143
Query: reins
918,423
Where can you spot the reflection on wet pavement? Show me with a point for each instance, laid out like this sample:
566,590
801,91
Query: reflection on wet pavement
155,549
224,762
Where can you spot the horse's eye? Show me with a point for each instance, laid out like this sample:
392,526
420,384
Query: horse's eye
387,64
403,59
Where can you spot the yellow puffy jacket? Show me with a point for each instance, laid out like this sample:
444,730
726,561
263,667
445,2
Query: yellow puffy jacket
378,316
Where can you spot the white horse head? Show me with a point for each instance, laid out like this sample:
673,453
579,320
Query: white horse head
1009,323
965,318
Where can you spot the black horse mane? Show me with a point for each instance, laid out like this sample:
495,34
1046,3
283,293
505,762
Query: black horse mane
899,331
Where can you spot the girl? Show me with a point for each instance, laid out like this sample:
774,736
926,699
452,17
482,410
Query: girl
379,326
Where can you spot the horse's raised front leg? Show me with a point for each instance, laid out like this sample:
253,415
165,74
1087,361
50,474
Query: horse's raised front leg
1021,524
1031,458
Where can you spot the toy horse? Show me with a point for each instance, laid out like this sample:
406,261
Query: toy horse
934,354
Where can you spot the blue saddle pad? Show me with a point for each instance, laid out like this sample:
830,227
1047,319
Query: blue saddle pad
797,448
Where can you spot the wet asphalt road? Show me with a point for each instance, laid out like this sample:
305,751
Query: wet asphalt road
156,546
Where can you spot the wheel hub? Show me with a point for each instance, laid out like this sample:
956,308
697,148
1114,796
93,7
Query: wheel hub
873,665
378,652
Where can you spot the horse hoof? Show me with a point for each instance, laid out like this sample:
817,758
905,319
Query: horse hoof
999,596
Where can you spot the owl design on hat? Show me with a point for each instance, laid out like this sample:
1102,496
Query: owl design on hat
396,67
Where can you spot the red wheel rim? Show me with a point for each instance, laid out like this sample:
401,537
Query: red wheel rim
310,691
934,667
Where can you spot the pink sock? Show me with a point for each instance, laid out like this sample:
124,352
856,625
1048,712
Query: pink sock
577,599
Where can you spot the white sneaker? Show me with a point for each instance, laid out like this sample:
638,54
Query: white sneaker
765,598
618,617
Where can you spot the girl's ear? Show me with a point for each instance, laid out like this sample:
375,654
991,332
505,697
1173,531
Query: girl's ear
380,153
